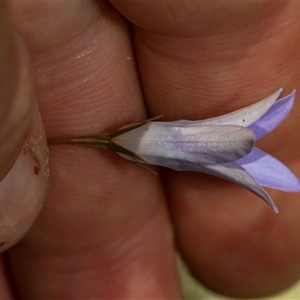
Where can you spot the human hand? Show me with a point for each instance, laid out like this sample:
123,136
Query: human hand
106,229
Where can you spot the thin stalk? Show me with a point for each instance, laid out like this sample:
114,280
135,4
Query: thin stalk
99,141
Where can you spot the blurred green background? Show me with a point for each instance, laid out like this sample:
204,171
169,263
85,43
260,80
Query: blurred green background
193,290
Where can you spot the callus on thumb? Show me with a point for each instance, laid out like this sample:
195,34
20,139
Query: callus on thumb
23,147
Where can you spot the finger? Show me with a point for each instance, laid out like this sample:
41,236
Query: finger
23,150
199,60
104,224
21,188
15,112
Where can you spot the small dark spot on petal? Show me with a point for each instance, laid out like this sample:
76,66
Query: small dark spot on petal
243,120
36,170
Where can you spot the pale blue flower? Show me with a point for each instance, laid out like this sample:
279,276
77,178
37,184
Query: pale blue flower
221,146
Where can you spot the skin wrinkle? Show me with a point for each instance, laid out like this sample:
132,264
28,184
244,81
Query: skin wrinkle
215,17
123,250
89,74
189,82
39,17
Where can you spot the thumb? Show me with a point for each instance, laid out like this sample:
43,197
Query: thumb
23,147
16,95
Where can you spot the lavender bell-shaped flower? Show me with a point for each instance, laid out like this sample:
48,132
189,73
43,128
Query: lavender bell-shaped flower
221,146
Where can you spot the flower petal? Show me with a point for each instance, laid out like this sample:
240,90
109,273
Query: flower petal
158,142
241,117
268,171
233,172
274,116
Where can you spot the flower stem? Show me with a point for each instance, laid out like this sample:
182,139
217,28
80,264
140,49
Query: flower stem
99,141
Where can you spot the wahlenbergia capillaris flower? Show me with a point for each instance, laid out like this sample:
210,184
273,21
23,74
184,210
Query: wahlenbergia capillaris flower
220,146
